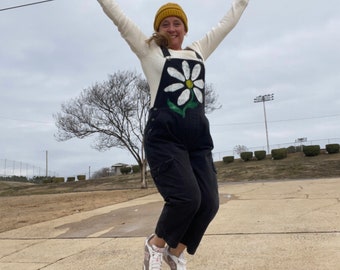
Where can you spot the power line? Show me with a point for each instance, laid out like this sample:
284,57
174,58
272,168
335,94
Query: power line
277,121
25,5
216,125
26,120
306,118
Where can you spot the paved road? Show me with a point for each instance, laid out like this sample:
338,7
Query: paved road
261,225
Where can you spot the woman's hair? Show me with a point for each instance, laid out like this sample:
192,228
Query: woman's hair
161,39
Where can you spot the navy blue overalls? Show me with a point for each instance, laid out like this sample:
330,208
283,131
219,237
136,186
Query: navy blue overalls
178,148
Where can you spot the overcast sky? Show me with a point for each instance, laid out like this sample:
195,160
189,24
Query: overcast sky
50,52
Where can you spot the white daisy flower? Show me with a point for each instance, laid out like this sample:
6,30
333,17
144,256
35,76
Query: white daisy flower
188,81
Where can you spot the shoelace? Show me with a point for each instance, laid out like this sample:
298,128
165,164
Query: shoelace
174,261
182,260
156,261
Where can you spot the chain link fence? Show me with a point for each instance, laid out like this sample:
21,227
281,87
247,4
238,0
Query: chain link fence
10,168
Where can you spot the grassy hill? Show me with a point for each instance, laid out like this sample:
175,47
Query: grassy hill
295,166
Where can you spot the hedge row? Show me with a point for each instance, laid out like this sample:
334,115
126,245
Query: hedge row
49,180
246,156
281,153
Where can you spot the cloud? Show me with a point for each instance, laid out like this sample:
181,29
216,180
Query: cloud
51,52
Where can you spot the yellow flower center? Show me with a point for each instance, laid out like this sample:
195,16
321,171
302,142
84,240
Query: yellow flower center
189,84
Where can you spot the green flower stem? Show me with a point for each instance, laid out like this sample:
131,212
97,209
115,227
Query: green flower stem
189,105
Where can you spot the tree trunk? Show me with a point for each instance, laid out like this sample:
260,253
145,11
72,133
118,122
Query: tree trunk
144,183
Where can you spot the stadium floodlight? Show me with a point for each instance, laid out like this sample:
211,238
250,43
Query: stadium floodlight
263,99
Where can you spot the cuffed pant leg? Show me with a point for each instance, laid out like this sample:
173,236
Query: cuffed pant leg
205,175
177,184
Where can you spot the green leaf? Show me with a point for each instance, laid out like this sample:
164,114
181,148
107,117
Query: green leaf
176,109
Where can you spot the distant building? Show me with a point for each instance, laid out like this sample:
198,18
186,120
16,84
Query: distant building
115,169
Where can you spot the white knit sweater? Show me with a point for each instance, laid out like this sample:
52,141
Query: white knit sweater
151,56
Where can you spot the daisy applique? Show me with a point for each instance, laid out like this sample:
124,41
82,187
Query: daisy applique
190,86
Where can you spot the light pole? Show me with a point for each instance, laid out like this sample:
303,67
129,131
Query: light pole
263,99
46,163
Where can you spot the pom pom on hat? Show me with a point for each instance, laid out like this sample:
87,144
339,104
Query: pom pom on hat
169,10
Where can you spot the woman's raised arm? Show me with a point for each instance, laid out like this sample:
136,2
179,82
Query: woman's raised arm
127,28
216,35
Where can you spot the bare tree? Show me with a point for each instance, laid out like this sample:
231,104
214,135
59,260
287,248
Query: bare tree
116,111
211,99
238,149
103,172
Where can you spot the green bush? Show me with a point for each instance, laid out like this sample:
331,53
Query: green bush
135,169
42,179
47,180
260,155
70,179
14,178
58,180
246,156
311,150
81,177
228,159
332,148
125,170
280,153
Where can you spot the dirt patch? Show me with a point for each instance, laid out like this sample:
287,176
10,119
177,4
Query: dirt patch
20,211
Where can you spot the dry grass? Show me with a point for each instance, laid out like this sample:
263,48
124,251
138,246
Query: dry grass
296,166
22,204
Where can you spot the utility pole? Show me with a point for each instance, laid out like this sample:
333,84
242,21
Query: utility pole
263,99
46,163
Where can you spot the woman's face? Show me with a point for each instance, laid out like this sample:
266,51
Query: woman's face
175,28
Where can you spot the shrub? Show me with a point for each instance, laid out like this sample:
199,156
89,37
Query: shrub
58,180
14,178
246,156
125,170
135,169
42,179
311,150
228,159
280,153
260,155
332,148
70,179
47,180
81,177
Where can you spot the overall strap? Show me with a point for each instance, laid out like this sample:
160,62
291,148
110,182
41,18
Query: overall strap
198,56
167,54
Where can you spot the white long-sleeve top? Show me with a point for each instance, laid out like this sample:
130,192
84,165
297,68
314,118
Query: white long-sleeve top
151,56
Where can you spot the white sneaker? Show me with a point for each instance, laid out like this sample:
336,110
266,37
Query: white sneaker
175,263
152,256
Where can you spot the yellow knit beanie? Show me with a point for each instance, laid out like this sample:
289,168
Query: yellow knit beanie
168,10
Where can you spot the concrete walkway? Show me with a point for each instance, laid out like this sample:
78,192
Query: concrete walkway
261,225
